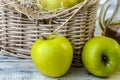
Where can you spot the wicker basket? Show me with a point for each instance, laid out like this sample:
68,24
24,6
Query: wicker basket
19,27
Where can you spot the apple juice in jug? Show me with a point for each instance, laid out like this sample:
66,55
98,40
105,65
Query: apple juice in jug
113,31
109,19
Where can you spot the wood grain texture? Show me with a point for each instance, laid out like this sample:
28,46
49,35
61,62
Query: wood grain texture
12,68
16,69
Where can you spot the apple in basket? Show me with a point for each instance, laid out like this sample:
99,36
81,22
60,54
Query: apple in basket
57,4
80,1
70,3
101,56
52,55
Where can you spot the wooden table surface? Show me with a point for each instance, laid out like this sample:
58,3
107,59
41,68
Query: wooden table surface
12,68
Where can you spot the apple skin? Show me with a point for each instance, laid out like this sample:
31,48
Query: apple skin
80,1
50,4
52,57
57,4
69,3
93,52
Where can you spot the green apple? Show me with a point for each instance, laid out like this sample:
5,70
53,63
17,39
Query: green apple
69,3
80,1
52,55
57,4
101,56
49,4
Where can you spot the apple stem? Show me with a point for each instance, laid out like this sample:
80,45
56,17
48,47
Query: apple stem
44,37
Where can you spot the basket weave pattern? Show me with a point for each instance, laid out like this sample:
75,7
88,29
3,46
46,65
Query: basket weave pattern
18,31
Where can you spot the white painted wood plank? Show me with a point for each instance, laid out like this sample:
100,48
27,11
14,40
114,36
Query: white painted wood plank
27,71
12,59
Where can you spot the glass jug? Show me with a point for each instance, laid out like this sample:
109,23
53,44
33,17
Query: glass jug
109,19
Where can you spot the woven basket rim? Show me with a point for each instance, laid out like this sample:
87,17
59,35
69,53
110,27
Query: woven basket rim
43,14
